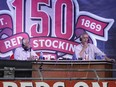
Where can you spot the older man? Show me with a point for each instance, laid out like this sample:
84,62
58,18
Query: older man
88,51
25,52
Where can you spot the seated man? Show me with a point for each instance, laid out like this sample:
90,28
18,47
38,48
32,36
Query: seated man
88,51
25,52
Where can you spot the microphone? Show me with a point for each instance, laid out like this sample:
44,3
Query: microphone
30,49
30,52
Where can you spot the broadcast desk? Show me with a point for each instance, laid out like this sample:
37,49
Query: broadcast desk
72,69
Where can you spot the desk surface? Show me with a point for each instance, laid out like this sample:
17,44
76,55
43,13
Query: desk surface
14,62
71,62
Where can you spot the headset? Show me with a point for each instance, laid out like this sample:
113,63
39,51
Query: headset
80,38
23,45
22,42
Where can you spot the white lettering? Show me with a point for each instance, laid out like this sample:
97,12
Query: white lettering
54,84
48,43
35,43
81,84
19,38
41,42
26,84
59,84
67,45
54,42
7,44
61,45
95,84
72,47
41,84
11,84
12,42
1,21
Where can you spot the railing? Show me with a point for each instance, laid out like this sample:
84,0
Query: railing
60,78
40,70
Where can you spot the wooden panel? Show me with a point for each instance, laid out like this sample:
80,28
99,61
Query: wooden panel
54,69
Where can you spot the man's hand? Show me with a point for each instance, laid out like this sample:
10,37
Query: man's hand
110,59
33,58
85,46
83,49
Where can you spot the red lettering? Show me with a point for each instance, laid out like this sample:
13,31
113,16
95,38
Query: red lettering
42,27
19,10
64,12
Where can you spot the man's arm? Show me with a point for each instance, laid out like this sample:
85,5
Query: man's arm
102,54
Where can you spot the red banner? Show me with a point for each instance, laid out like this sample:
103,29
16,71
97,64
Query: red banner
91,24
11,42
89,83
53,44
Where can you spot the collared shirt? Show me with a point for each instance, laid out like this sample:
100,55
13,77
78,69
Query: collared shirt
91,50
21,54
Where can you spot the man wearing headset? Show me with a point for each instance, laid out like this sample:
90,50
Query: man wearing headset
25,52
88,51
